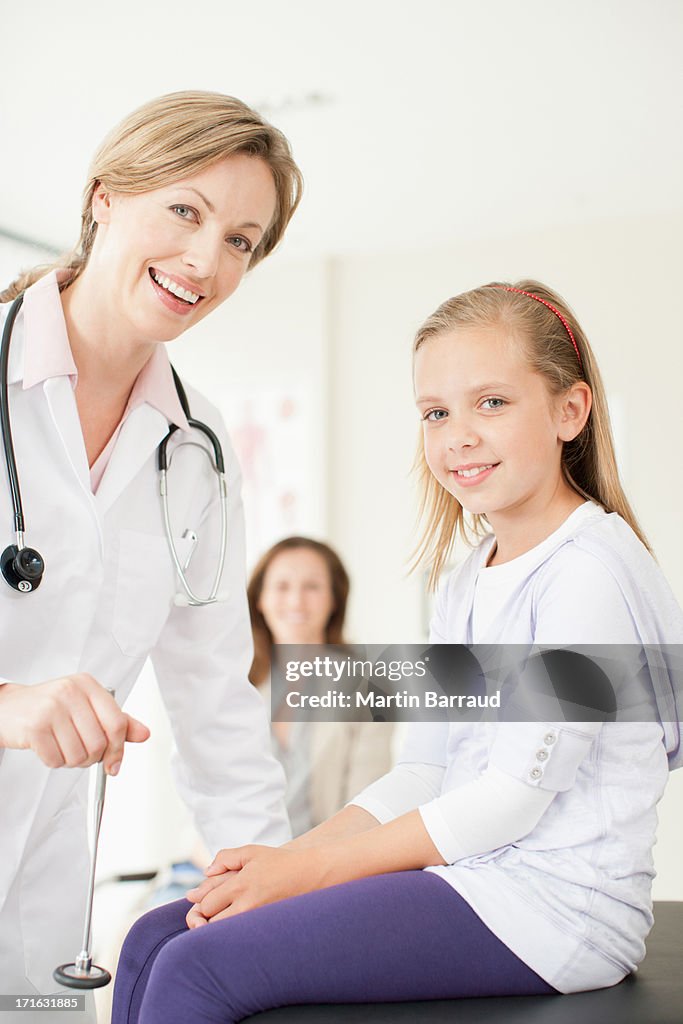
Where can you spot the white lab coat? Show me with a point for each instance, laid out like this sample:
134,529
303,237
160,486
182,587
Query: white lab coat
105,603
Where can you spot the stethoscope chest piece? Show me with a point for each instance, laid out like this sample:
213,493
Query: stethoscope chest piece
22,568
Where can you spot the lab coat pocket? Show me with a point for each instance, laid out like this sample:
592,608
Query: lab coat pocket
145,588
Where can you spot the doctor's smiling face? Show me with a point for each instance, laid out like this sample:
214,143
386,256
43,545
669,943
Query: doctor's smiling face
167,257
493,433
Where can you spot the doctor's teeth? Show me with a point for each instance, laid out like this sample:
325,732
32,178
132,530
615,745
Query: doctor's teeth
473,472
175,289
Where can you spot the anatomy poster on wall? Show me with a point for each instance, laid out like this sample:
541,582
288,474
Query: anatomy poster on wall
271,434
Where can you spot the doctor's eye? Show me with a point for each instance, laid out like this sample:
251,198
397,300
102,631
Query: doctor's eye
435,415
241,244
186,212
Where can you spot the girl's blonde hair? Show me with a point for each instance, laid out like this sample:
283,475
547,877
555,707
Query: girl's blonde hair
172,137
339,582
588,462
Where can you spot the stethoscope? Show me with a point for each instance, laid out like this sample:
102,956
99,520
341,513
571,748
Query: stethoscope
22,567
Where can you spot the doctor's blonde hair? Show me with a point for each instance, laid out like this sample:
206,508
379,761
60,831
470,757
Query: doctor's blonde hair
588,462
172,137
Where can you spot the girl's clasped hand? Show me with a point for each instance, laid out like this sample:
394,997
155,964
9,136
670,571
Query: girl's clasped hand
246,877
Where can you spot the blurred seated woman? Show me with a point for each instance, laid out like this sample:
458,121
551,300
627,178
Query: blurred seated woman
297,595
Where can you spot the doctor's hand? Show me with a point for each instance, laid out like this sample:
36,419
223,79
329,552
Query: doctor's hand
251,876
70,722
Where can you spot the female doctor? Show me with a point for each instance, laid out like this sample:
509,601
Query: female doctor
184,196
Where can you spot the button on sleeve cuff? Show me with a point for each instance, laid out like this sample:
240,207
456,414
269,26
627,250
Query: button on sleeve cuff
543,754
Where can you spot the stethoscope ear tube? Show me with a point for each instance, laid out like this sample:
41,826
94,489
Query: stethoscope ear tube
5,424
189,597
162,461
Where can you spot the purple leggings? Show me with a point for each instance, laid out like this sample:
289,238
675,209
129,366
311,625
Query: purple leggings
401,936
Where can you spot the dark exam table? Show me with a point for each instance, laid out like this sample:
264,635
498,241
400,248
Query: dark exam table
652,996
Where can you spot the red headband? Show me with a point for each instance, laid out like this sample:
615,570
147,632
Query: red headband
509,288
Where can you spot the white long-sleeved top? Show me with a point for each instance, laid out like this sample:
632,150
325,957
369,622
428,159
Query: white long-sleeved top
490,811
570,895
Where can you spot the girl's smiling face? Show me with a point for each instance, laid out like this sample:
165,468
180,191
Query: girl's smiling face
492,431
168,257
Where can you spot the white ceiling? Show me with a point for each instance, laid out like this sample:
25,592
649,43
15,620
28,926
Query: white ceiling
438,121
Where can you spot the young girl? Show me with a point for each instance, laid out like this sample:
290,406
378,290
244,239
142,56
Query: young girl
536,838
